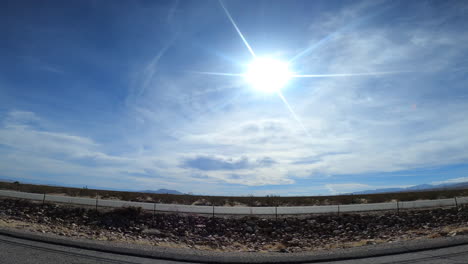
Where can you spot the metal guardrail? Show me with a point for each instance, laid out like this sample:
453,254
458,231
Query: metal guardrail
224,210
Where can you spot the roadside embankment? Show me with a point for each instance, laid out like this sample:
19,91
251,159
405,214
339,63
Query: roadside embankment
287,234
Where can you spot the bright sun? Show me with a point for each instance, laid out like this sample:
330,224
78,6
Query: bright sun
268,75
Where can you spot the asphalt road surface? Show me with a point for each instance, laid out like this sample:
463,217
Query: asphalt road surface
14,250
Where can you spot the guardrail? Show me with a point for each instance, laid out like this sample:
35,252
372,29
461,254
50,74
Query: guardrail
224,210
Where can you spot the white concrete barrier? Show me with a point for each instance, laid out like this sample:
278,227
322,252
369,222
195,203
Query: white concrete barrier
293,210
241,210
263,210
113,203
225,210
60,199
368,207
184,208
427,203
462,200
83,201
22,195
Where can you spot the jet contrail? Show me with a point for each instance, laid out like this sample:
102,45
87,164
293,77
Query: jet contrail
293,113
337,33
237,29
344,74
219,73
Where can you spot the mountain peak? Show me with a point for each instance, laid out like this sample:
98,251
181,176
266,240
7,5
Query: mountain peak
162,191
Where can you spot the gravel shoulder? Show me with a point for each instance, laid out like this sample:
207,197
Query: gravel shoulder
322,233
203,256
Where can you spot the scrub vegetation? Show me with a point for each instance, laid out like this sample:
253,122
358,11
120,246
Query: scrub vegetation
270,200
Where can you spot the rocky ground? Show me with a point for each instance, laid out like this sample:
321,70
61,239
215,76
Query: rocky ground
233,234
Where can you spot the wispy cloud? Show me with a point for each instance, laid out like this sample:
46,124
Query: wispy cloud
454,180
340,188
31,148
346,187
217,163
52,69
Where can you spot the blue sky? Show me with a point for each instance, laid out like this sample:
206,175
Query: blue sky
108,94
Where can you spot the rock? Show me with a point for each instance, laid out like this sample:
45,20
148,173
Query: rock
250,223
443,233
154,232
249,229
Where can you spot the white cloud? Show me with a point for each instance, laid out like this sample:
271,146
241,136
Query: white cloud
340,188
346,187
17,117
32,151
454,180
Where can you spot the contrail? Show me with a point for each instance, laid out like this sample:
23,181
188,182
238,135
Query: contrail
345,74
237,29
340,31
219,73
293,113
150,70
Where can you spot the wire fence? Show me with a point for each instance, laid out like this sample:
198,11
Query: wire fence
226,210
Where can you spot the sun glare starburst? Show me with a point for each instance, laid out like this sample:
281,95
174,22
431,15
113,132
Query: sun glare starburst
267,74
270,75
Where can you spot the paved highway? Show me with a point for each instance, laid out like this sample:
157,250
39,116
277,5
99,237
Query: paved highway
14,250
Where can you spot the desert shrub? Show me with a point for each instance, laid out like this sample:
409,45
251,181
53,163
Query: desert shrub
127,212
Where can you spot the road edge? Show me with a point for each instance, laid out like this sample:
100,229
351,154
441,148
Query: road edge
201,256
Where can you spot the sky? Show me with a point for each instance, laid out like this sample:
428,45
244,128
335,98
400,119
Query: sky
115,95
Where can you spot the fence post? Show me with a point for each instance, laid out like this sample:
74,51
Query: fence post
456,202
96,203
398,207
43,200
213,211
338,210
154,211
276,212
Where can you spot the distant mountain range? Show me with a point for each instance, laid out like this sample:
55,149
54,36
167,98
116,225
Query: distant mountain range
421,187
162,191
28,181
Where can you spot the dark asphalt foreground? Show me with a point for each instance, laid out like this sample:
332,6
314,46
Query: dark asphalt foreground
24,247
